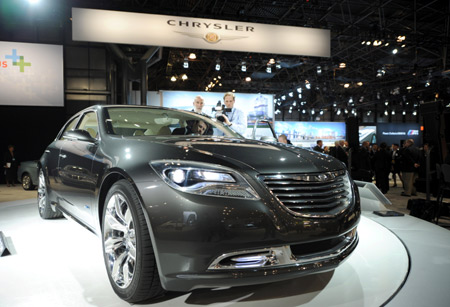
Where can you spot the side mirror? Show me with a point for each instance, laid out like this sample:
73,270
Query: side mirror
80,135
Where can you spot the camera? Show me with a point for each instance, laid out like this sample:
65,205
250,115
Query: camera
219,110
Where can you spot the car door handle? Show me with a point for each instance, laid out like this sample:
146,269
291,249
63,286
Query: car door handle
62,156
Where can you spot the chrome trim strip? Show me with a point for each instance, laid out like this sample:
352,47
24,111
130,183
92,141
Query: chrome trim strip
281,256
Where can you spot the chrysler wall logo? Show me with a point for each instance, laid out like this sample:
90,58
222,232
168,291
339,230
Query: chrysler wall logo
17,60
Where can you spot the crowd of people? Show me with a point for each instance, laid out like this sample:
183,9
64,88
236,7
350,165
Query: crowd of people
376,162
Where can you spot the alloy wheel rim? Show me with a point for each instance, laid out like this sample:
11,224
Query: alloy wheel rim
26,182
42,192
119,239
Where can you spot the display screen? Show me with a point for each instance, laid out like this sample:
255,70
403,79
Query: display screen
397,133
31,74
255,106
306,134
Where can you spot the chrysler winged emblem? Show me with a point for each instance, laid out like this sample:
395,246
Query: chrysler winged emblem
211,37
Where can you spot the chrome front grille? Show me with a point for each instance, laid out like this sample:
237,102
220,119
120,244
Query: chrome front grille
316,194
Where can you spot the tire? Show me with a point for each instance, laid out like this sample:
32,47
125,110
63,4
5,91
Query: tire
45,210
27,183
127,248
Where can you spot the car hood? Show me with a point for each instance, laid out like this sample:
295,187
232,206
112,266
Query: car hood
264,157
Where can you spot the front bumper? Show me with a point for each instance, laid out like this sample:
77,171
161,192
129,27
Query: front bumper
206,242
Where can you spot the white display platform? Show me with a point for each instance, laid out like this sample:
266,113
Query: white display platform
59,263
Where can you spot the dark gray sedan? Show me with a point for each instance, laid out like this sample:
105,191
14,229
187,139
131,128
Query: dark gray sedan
181,201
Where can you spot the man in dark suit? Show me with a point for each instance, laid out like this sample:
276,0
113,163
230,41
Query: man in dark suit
410,167
318,147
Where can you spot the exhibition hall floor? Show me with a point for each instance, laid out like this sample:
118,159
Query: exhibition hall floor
59,263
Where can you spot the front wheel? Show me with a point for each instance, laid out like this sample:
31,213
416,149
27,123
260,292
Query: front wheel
45,210
27,183
127,247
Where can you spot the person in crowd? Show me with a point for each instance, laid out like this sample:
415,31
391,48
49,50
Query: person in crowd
326,150
282,138
341,154
382,165
332,149
236,119
410,167
318,146
10,166
395,163
198,103
361,163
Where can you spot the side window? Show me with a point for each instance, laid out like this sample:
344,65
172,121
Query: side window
89,123
69,126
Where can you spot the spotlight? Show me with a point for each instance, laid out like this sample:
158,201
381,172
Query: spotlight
299,89
346,85
283,97
217,66
304,111
291,94
386,112
243,67
321,112
192,56
313,112
248,79
307,85
173,79
338,112
404,112
272,61
184,77
319,70
393,112
186,63
386,103
342,65
395,51
268,69
414,113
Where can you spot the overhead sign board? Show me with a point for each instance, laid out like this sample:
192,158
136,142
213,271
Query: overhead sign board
197,33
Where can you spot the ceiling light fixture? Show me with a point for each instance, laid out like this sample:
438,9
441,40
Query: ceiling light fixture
186,63
272,61
307,85
395,51
243,67
192,56
184,77
342,65
173,78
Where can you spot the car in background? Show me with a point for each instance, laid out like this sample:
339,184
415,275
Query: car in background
27,174
181,201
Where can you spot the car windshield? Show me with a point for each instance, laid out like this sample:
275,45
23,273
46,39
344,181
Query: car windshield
137,121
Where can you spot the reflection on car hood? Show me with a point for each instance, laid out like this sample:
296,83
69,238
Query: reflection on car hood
264,157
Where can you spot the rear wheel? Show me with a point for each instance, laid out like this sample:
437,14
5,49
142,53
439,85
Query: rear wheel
45,210
27,183
127,247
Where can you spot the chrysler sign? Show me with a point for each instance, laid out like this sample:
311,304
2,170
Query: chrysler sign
198,33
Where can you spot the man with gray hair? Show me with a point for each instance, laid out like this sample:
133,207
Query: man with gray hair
198,103
410,167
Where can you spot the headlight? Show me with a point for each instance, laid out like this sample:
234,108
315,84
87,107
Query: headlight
204,179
